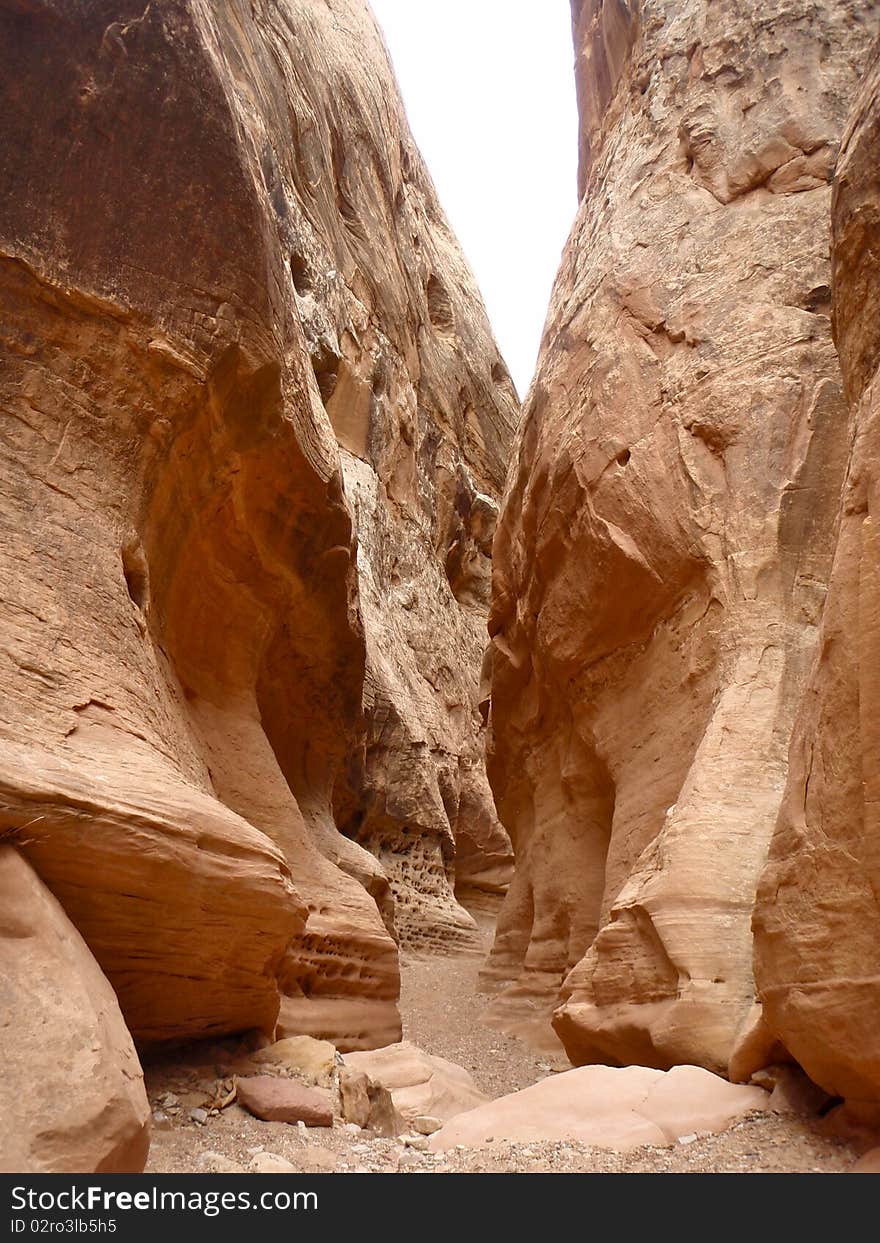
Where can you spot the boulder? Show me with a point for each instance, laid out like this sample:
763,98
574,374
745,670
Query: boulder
313,1059
423,1125
354,1096
420,1083
384,1118
273,1099
367,1104
607,1107
72,1095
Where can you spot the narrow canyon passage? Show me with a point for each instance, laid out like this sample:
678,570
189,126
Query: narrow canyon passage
442,1011
413,777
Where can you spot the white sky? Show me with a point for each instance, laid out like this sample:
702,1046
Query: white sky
489,91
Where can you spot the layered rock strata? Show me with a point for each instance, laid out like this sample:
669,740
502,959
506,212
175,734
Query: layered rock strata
817,922
666,534
220,260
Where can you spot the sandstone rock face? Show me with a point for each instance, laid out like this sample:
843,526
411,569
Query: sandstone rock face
422,408
817,920
607,1107
233,318
85,1109
421,1084
666,534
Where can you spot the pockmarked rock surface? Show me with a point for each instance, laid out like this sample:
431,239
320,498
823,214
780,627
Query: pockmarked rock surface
252,421
620,1108
421,1084
72,1095
817,919
667,530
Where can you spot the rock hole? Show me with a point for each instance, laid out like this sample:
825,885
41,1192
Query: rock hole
134,567
623,457
439,305
299,272
325,364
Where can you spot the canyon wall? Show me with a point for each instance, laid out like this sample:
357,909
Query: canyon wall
252,424
86,1107
667,530
817,923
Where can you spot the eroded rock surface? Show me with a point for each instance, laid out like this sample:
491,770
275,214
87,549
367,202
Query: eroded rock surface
817,922
608,1107
84,1108
233,317
666,535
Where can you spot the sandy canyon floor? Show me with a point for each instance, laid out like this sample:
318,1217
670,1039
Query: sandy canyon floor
441,1005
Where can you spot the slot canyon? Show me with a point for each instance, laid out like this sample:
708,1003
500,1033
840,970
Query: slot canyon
398,776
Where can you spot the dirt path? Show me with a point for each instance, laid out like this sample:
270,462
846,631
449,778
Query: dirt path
441,1011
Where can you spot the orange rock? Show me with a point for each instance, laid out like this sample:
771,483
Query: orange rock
667,531
252,415
72,1094
817,923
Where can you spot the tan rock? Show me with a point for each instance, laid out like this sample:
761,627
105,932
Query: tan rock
792,1092
420,1083
271,1163
225,633
314,1059
817,922
273,1099
315,1159
354,1096
666,534
72,1096
384,1118
606,1107
869,1163
755,1047
217,1163
367,1104
426,1126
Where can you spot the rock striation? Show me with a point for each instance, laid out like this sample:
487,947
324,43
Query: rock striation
84,1108
817,923
252,424
666,534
